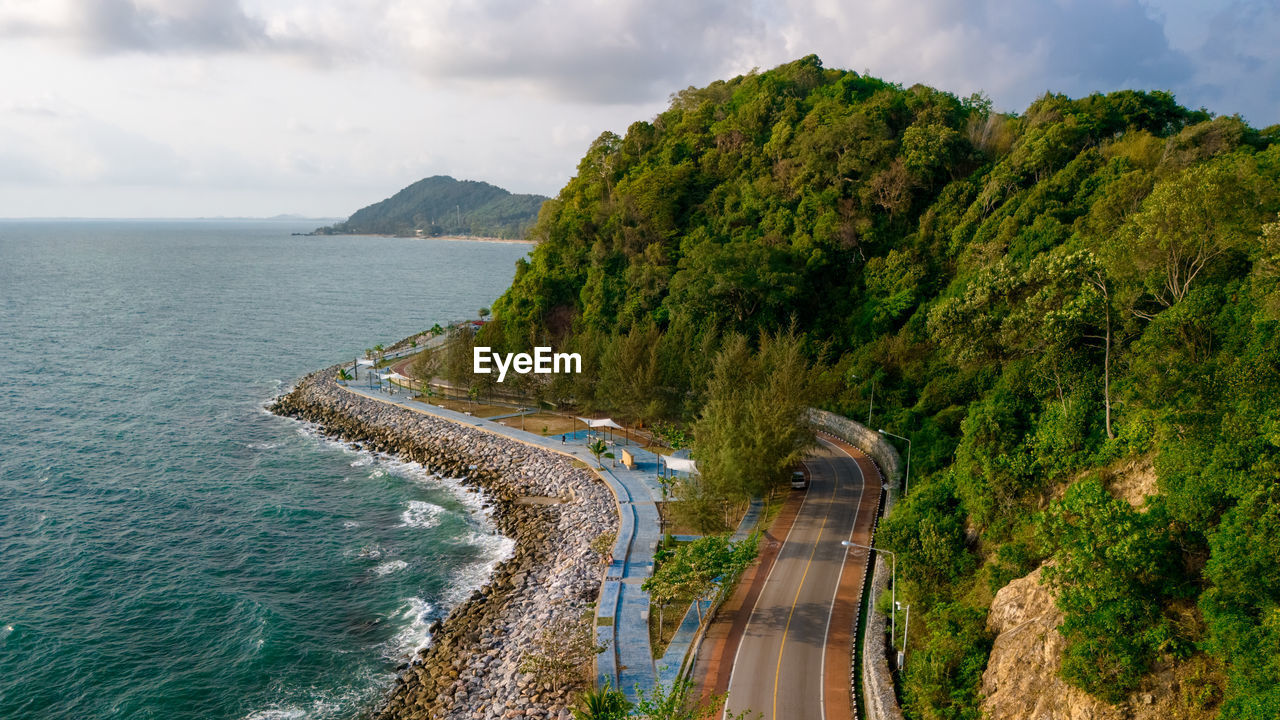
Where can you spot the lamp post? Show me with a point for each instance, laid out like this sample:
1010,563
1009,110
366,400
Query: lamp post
906,484
893,633
902,655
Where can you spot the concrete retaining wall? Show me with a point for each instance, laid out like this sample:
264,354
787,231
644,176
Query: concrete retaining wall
877,681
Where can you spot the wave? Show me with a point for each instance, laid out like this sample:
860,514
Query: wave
421,514
468,578
387,568
416,634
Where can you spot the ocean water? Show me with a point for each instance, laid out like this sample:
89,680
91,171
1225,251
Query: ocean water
167,548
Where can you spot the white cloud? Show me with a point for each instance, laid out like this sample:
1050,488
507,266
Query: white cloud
320,106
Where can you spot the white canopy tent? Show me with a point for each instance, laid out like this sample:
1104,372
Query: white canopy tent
607,423
680,464
367,362
603,422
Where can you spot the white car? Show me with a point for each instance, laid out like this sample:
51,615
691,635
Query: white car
799,481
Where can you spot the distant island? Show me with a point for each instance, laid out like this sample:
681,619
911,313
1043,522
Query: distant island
441,206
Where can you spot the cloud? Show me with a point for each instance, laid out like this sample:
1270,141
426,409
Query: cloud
1239,68
324,105
192,27
1012,50
186,26
578,50
639,51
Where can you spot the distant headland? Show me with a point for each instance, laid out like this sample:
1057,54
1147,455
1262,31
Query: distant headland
442,207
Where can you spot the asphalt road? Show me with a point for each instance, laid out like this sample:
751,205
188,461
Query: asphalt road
779,668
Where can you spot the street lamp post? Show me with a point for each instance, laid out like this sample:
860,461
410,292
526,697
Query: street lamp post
902,655
893,632
871,404
906,484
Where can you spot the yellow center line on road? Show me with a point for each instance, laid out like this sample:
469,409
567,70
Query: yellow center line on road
777,673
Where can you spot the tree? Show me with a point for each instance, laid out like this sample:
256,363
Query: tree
599,448
753,426
1112,568
562,651
945,675
603,704
697,568
1242,604
1187,222
426,365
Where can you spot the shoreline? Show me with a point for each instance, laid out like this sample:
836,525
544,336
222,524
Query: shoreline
470,666
453,238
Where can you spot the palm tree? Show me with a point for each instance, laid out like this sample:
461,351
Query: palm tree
598,448
436,330
343,374
603,704
484,313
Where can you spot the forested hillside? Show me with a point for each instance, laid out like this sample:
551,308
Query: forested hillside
1034,298
440,205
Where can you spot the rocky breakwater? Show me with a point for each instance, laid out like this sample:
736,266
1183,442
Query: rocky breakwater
471,668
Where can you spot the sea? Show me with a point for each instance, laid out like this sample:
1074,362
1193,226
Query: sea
168,548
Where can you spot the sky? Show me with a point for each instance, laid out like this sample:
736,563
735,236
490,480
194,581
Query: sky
205,108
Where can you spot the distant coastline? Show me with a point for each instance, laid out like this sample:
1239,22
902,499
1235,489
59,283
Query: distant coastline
463,238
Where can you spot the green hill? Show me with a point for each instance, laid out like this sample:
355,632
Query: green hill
1033,298
440,205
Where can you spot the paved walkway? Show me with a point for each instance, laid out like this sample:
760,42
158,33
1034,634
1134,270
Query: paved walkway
628,661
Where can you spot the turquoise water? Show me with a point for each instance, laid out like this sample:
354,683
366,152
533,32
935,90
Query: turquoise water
167,548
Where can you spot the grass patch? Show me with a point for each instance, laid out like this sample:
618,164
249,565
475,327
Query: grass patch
480,410
545,423
660,635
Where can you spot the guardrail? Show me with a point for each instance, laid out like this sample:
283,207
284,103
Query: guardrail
877,681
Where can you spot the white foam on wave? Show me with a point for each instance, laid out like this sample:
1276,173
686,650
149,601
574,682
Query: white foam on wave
263,445
495,548
469,578
415,635
338,703
421,514
387,568
350,524
285,713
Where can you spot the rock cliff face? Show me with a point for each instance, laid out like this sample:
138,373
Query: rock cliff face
1021,681
470,669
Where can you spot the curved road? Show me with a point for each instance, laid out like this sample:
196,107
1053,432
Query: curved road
793,659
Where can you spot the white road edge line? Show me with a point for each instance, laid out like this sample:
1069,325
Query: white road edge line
822,673
729,688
